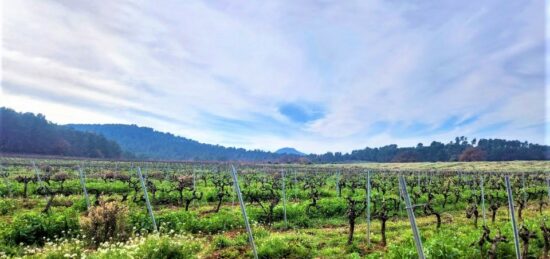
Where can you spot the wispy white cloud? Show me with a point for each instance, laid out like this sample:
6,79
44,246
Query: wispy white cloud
316,76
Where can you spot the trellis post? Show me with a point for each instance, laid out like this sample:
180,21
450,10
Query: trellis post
83,183
194,184
147,202
523,188
37,175
483,200
243,210
296,186
368,208
512,215
284,197
412,220
233,195
338,183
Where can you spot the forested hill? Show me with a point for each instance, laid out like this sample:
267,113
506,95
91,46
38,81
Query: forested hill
151,144
27,133
147,143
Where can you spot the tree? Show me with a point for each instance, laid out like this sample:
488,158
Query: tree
473,154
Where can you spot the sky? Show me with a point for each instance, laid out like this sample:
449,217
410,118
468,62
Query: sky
314,75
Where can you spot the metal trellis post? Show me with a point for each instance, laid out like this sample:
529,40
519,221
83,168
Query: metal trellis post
523,188
37,175
338,183
483,200
512,215
368,208
296,187
284,197
243,210
83,183
410,212
147,202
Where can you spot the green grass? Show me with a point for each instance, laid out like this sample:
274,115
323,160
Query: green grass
202,233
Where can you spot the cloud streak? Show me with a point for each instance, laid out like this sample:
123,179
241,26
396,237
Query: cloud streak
316,76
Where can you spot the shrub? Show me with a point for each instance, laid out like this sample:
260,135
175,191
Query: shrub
105,221
33,228
332,207
222,241
6,206
221,221
140,221
163,247
302,221
178,221
80,205
277,247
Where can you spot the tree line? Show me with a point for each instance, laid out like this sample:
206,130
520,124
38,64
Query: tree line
27,133
458,150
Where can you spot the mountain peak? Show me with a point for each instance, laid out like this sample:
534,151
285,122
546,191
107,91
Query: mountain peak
289,151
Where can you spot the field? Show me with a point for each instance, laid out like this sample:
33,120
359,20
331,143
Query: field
295,211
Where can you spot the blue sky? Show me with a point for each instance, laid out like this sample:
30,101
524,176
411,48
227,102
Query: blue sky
314,75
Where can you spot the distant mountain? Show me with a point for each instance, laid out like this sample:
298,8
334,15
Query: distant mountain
148,143
289,151
27,133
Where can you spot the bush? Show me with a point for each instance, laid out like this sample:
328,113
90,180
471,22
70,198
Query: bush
185,221
163,247
278,247
178,221
332,207
80,205
34,228
222,241
140,221
221,221
6,206
106,221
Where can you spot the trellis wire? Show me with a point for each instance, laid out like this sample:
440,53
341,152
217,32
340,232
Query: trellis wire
412,220
83,183
512,215
243,210
147,202
368,208
284,197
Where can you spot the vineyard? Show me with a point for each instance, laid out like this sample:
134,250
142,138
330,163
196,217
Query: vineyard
109,209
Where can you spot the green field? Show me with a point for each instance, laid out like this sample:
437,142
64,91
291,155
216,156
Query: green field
198,213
